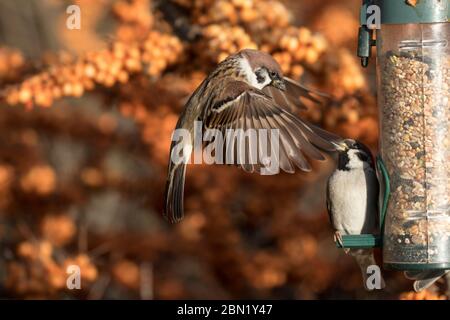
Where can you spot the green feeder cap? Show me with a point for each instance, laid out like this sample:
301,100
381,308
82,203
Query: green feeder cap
412,11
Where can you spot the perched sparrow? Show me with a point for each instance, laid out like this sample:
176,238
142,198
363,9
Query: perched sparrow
424,279
352,199
248,91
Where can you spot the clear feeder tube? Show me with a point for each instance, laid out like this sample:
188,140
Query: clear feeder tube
413,92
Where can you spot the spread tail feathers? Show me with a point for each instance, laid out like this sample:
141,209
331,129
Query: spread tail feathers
365,259
174,192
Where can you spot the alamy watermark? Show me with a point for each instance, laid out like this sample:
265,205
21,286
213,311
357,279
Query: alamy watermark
73,21
373,17
373,281
230,146
73,280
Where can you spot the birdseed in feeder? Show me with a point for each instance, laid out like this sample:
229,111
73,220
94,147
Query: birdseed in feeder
415,143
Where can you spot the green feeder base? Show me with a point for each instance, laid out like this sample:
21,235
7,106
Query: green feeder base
360,241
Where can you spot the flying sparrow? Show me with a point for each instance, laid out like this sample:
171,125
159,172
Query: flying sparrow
248,91
352,200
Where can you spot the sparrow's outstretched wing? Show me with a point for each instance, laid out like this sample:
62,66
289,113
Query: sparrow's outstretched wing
290,99
241,106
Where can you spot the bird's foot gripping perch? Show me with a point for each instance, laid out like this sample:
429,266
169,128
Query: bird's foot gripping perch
340,241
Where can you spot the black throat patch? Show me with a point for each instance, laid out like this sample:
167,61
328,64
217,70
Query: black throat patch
343,161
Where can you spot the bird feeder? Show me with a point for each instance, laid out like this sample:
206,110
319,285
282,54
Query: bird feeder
413,71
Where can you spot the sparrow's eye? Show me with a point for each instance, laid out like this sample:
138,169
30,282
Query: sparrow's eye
273,74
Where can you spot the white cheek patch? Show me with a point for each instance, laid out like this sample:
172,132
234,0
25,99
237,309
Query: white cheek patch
355,161
251,76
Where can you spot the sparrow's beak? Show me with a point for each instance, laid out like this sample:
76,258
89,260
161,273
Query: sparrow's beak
340,146
279,84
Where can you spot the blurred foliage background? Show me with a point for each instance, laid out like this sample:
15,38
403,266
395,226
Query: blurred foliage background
85,123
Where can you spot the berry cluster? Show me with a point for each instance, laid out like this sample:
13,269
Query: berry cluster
105,68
